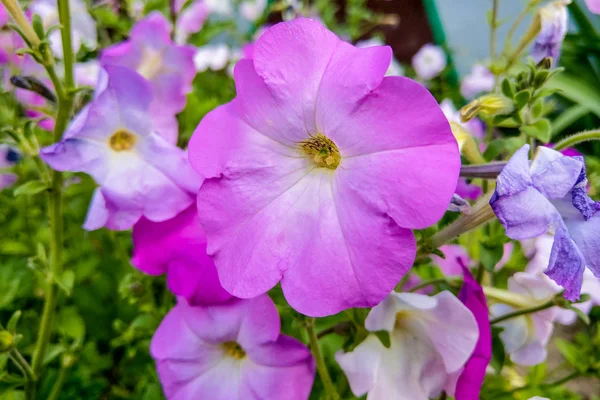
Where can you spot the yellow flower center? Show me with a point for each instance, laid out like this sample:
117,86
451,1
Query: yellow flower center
122,140
233,349
322,151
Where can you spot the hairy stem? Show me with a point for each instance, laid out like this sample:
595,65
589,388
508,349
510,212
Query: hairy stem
577,138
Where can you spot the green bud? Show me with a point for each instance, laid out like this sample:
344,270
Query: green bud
6,341
488,105
545,63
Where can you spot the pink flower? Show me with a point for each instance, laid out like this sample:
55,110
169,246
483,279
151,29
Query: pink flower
169,69
456,257
525,337
319,169
593,5
431,340
230,351
177,247
469,383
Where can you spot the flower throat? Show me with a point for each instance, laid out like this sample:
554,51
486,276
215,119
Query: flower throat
322,151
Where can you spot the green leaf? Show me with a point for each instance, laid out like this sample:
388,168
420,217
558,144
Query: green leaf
580,314
577,90
38,26
540,130
67,280
537,108
384,338
30,188
508,89
11,326
70,323
572,354
491,254
502,146
567,118
522,98
498,353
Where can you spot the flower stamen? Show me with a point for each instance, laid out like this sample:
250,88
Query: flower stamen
322,151
233,349
122,140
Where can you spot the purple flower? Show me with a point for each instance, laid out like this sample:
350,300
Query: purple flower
190,21
593,5
478,81
168,67
230,351
8,157
311,179
177,247
112,139
553,19
470,380
431,340
548,195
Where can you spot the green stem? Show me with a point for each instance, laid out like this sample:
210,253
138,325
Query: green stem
493,27
430,282
331,393
524,311
513,28
55,206
577,138
60,380
23,365
572,375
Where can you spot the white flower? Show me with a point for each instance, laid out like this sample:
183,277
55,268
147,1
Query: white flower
213,56
253,9
429,61
479,80
431,339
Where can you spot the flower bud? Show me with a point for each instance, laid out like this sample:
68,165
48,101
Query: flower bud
6,341
466,144
488,105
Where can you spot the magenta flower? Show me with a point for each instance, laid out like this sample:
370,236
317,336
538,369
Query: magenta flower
456,257
593,5
112,139
470,380
177,247
318,170
169,68
230,351
550,194
431,339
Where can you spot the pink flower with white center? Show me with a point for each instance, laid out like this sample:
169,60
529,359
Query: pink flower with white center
429,61
593,5
177,247
230,351
138,172
542,249
525,337
168,67
431,340
83,25
478,81
319,169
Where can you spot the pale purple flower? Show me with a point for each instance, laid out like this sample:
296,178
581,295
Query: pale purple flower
87,73
539,260
525,337
471,378
83,26
593,5
311,179
252,10
168,67
478,81
8,157
112,139
553,19
177,247
429,61
395,68
431,340
230,351
190,21
548,195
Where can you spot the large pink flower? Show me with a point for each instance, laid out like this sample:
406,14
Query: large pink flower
318,170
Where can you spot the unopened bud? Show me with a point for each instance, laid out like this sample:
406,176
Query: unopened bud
545,63
6,341
488,105
458,204
33,84
466,144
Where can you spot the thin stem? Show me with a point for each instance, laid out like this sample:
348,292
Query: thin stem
577,138
524,311
513,28
428,283
572,375
23,365
15,11
493,28
60,380
330,391
64,17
